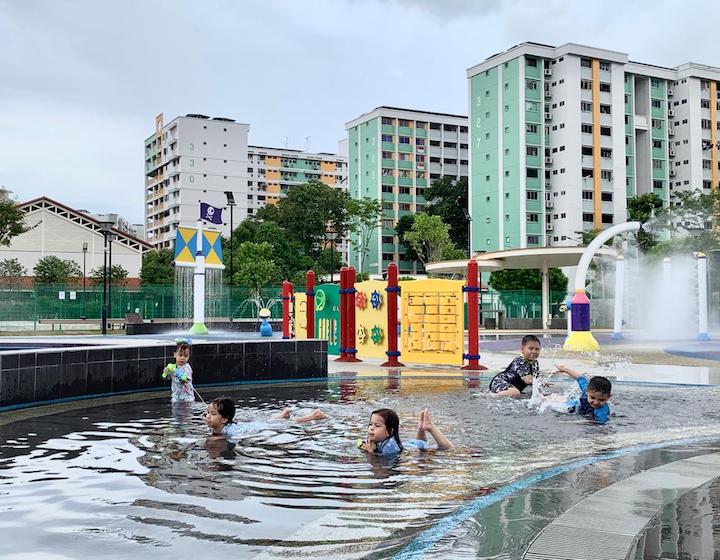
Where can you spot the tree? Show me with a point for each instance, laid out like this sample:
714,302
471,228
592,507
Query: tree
54,270
642,209
329,260
289,256
12,268
448,199
118,275
403,225
364,217
12,218
696,211
308,211
157,267
255,267
527,279
429,238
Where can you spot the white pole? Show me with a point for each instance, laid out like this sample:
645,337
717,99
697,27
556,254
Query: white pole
545,286
199,286
619,296
702,297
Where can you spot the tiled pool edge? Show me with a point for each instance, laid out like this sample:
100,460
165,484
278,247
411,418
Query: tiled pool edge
35,377
424,541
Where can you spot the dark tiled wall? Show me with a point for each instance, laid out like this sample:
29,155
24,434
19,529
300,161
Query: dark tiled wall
31,377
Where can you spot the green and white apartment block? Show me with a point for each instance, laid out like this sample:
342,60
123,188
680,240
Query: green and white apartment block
393,156
561,137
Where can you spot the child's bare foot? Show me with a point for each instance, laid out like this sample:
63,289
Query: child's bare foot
318,414
422,424
428,421
285,413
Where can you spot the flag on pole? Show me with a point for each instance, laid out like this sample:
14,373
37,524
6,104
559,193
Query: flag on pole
210,213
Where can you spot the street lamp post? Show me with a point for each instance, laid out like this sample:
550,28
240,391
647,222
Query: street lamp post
84,251
231,204
105,229
468,217
332,236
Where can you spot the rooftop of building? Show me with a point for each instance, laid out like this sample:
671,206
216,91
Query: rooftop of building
385,110
296,152
550,51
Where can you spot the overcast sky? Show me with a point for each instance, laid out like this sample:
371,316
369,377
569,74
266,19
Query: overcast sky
81,81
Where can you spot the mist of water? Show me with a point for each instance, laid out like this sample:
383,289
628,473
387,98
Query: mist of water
184,296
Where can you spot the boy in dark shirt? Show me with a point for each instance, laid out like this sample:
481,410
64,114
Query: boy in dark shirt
521,371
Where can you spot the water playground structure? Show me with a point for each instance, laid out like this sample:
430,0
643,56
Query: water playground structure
135,475
199,250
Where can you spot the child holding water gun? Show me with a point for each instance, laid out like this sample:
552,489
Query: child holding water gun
180,374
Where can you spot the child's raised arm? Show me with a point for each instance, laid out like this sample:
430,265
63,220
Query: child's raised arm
568,371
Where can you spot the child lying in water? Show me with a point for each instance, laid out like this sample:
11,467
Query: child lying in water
384,434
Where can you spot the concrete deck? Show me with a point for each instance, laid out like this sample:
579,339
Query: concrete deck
617,516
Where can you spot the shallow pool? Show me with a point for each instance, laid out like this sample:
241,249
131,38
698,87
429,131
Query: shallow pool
139,478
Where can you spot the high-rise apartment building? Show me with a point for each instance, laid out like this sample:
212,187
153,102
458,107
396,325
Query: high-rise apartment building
394,155
561,136
191,159
273,171
195,158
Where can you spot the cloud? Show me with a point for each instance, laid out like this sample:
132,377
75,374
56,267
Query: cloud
449,9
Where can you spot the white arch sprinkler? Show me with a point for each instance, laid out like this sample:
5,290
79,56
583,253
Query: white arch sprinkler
580,338
702,297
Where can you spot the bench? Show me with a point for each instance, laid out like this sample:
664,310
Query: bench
112,323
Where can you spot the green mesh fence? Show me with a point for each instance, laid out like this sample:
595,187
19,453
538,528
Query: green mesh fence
49,301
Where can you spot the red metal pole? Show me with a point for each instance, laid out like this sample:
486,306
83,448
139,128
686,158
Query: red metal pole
350,336
343,315
310,310
392,317
287,293
472,288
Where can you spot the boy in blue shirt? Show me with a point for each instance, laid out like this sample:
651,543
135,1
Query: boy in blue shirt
594,398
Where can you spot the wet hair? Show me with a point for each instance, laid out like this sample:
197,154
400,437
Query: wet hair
528,338
600,385
181,346
392,423
225,407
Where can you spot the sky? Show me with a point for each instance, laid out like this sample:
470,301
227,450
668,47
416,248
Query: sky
82,80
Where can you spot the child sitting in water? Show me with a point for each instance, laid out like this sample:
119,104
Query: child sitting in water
594,397
221,413
521,371
384,433
180,374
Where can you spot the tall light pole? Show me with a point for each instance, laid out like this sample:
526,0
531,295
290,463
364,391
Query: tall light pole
84,251
105,229
468,217
231,204
332,236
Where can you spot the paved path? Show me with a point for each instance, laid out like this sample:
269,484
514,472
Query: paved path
608,524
